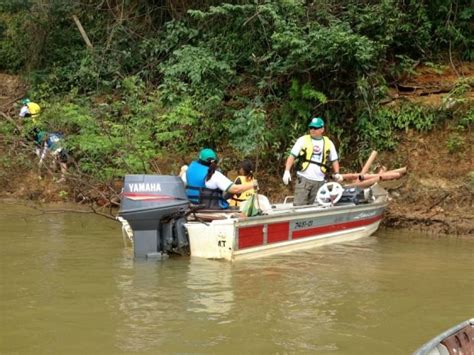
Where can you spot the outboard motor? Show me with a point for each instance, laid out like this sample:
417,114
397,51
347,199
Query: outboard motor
155,208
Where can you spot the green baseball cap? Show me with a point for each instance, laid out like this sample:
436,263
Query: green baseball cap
207,154
316,122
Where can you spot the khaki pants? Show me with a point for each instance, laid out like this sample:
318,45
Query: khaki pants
305,191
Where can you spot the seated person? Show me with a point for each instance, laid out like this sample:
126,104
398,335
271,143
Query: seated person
206,186
246,176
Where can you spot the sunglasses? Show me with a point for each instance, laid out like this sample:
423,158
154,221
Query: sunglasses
315,127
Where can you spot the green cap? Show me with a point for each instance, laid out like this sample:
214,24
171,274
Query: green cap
25,101
316,122
207,154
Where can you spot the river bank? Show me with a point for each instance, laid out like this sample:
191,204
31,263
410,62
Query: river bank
420,201
435,196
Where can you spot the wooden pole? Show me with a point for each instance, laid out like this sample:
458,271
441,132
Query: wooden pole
82,31
369,162
365,183
399,170
384,176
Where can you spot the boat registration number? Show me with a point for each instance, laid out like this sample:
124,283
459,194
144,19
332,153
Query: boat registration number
304,224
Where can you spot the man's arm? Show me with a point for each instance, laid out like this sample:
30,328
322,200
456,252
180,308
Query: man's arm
289,162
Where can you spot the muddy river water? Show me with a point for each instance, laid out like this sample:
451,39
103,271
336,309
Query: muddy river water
69,285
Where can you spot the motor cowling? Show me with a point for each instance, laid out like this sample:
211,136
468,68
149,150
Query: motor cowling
155,207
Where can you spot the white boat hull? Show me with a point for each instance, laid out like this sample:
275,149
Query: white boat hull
156,210
283,230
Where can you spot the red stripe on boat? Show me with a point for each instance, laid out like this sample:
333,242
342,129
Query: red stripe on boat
250,236
147,197
311,232
278,232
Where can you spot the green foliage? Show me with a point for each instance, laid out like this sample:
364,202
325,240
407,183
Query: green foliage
412,116
178,126
455,143
377,129
375,132
13,42
467,120
248,133
470,181
249,74
452,25
304,100
194,71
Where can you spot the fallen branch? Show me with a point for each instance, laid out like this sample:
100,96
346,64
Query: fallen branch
438,202
82,31
11,120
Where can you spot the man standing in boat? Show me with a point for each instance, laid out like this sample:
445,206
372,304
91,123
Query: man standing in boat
206,185
314,153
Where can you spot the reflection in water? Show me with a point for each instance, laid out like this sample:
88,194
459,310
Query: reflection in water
66,280
210,287
146,305
156,295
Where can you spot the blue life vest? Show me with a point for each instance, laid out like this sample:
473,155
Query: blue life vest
197,191
53,141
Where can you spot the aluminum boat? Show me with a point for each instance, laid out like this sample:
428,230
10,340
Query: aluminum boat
155,209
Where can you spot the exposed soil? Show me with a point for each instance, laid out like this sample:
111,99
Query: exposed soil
436,195
12,89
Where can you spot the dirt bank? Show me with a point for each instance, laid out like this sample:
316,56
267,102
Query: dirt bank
435,196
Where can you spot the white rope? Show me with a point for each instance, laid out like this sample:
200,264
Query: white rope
127,231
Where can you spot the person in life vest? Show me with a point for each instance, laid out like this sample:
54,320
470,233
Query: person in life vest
246,176
39,138
29,110
53,143
315,154
206,186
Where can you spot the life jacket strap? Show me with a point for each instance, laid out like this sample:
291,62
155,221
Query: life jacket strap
210,197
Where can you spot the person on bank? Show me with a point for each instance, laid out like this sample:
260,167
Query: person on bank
245,176
207,186
315,153
29,110
53,143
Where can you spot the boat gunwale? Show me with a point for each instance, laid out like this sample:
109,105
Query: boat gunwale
430,345
291,215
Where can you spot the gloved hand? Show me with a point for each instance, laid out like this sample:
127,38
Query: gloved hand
338,177
286,177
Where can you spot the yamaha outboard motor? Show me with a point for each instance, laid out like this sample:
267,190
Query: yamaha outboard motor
155,208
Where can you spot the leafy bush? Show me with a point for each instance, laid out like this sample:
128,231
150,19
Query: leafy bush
245,74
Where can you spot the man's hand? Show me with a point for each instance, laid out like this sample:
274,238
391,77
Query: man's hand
183,170
286,177
338,177
255,184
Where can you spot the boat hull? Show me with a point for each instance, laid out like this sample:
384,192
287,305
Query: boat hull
456,340
282,231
